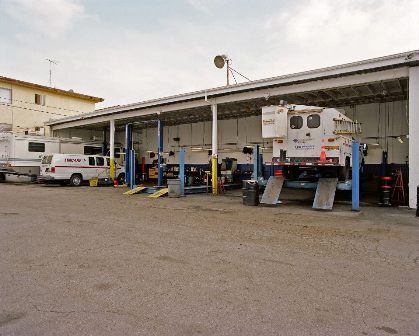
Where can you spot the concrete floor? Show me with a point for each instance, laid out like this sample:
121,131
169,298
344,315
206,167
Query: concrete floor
91,261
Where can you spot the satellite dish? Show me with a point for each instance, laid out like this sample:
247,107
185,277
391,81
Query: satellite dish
219,61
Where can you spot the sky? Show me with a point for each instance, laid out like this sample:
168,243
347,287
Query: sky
133,50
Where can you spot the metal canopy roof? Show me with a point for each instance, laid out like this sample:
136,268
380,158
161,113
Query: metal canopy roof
378,80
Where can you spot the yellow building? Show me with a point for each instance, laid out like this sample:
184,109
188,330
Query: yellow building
25,107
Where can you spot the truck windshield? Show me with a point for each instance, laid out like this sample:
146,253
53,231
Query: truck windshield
46,159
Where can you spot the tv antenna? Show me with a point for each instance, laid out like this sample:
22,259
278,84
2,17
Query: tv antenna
51,62
220,61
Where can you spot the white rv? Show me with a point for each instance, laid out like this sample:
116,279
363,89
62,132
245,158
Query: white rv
310,138
21,154
76,168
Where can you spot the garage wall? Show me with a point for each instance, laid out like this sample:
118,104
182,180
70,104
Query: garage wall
381,120
233,135
378,120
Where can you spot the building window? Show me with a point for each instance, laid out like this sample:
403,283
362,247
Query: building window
313,121
39,99
38,147
296,122
5,96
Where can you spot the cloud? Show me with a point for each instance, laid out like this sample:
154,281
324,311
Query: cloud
51,18
124,61
328,31
201,5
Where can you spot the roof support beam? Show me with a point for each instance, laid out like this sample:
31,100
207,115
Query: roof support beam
129,112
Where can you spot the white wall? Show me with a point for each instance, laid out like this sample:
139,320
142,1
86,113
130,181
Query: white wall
379,120
24,114
233,135
413,134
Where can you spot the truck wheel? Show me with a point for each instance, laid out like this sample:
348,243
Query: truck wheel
2,177
121,178
76,180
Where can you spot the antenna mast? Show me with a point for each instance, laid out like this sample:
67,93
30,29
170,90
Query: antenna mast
51,62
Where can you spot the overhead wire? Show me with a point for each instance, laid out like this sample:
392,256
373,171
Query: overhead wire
31,109
32,103
232,73
240,74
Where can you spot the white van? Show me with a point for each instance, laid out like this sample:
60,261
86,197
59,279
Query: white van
76,168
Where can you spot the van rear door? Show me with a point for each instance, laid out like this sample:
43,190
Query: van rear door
46,164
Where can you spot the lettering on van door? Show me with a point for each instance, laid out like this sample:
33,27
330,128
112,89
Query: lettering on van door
72,160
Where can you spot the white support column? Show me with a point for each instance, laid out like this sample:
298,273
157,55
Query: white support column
413,134
214,160
112,147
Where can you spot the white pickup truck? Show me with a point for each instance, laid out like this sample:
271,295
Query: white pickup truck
76,168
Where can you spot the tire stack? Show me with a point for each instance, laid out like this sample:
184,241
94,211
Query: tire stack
385,191
250,193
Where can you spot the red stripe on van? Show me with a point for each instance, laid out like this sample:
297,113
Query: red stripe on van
81,167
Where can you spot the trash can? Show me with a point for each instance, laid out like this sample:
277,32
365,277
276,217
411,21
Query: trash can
250,193
417,201
174,187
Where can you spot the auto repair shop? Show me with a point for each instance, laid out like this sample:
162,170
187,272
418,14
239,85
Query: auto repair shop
382,94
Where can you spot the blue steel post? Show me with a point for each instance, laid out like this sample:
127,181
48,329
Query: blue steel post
255,162
128,143
182,171
355,175
132,169
159,152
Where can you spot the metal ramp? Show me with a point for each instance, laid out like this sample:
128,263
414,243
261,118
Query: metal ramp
325,194
135,190
159,193
273,190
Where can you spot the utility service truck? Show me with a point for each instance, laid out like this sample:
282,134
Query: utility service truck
309,141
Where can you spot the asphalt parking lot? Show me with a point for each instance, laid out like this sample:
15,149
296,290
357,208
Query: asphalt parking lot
91,261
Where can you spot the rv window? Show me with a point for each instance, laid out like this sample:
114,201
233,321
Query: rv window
92,150
313,121
100,161
91,161
296,122
38,147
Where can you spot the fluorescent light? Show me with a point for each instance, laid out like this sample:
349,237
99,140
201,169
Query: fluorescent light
399,139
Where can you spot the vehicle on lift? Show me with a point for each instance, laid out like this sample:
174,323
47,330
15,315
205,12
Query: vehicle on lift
310,142
73,169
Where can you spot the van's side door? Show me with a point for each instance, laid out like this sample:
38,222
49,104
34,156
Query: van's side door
91,171
101,167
